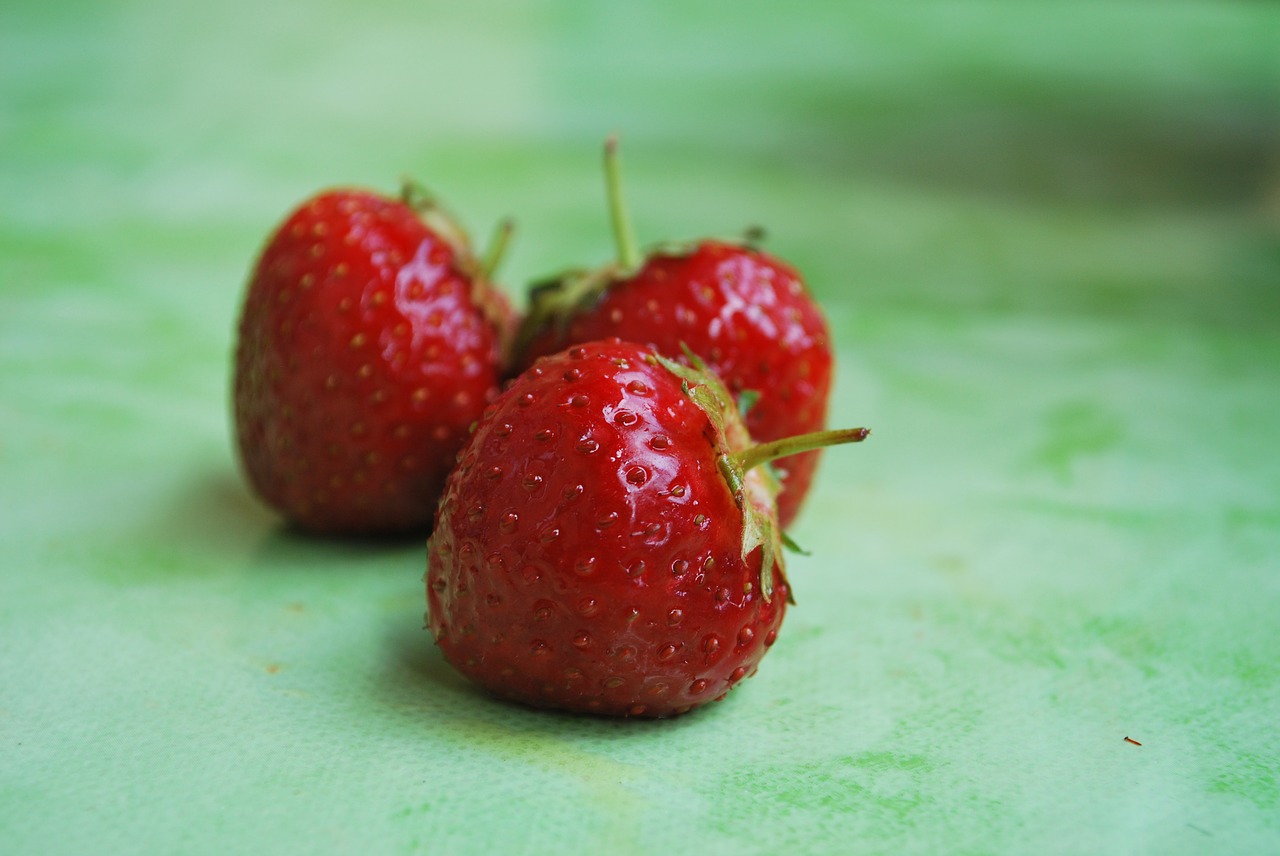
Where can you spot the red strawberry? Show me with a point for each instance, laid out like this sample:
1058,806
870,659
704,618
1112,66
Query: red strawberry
747,314
607,543
369,342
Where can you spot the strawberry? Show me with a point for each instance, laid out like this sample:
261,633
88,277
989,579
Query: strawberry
607,542
747,314
369,341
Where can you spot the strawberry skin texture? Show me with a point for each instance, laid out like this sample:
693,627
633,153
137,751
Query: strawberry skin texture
588,552
748,315
362,360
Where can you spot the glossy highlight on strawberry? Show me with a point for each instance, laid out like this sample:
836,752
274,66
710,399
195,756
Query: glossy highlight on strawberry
368,343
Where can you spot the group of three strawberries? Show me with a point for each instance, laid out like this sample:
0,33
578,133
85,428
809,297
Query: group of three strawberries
606,481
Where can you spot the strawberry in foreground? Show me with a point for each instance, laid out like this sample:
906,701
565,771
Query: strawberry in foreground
747,314
608,543
369,342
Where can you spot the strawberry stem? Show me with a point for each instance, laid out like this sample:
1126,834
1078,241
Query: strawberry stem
497,247
760,453
623,236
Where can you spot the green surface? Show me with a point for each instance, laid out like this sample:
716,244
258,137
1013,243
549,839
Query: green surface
1048,236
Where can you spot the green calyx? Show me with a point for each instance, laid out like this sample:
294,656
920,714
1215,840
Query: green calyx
756,497
556,300
479,269
436,218
439,220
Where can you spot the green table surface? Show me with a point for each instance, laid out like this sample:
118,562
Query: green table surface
1048,240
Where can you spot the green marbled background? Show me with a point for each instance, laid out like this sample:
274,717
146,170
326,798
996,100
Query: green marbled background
1048,237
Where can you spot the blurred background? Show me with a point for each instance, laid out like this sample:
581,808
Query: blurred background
1048,239
979,155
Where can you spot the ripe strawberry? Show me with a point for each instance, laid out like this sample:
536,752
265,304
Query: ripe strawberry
607,543
747,314
369,342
